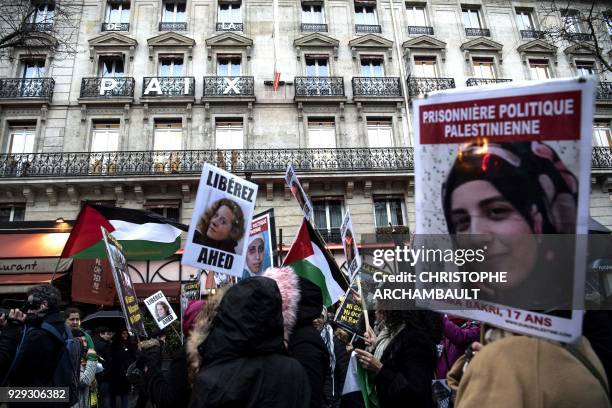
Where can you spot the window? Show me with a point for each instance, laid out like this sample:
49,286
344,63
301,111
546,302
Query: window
228,65
416,16
111,66
372,67
171,66
229,13
539,69
321,134
328,217
483,68
167,209
312,14
380,133
43,13
524,20
602,135
12,213
471,18
33,68
572,21
168,135
365,15
173,11
425,67
229,134
21,139
117,12
317,67
388,211
585,68
105,137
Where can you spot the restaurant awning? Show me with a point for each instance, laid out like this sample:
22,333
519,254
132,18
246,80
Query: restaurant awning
35,245
21,283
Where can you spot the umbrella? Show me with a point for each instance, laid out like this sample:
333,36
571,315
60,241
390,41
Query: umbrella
113,319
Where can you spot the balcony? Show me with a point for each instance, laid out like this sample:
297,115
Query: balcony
420,30
331,236
27,89
314,28
578,37
168,87
373,87
230,27
601,158
477,32
115,26
228,87
532,34
38,27
190,162
392,233
604,91
368,28
307,88
486,81
420,86
167,26
107,88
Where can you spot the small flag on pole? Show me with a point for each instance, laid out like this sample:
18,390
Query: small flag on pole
276,79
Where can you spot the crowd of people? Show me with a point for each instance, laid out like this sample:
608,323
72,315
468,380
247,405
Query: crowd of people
268,341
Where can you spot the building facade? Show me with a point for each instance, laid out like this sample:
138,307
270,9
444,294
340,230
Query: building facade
158,87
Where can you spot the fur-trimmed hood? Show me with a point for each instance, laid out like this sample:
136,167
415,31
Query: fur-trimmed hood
288,284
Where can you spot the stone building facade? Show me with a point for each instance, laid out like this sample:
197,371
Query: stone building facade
157,87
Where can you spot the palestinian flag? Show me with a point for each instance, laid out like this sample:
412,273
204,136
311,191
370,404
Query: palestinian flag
309,258
144,235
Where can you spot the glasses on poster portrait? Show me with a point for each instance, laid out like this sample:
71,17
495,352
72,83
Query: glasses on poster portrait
503,196
221,226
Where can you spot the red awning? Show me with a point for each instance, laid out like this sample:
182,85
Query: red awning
32,245
170,289
21,283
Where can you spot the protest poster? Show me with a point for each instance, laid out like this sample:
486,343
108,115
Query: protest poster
502,171
262,241
349,313
298,192
349,243
218,233
160,309
123,284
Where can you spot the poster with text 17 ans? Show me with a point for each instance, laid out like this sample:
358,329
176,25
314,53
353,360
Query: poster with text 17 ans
123,283
510,162
219,229
160,309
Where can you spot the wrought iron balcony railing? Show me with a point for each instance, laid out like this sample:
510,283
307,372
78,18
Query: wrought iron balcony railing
319,86
331,236
420,86
168,26
420,30
168,86
532,34
392,233
485,81
109,87
230,27
17,88
601,158
477,32
579,36
115,26
314,28
229,86
190,162
38,27
368,28
604,91
377,87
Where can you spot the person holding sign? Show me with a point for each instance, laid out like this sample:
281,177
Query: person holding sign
221,226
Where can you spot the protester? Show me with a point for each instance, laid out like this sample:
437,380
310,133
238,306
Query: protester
305,342
73,317
123,352
404,357
102,344
522,371
244,362
10,327
89,362
458,335
221,226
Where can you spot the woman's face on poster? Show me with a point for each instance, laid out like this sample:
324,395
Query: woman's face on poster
482,217
220,226
161,311
255,255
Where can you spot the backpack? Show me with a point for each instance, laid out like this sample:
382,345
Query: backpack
68,370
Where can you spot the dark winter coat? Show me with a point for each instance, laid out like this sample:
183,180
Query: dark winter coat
9,339
244,363
103,350
123,354
597,328
172,389
334,394
408,368
306,344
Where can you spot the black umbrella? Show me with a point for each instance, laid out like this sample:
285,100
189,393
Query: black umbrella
113,319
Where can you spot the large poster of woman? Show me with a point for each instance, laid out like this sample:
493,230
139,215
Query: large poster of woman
505,170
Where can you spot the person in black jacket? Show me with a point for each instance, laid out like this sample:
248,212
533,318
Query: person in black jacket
10,327
102,344
123,352
404,357
244,361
